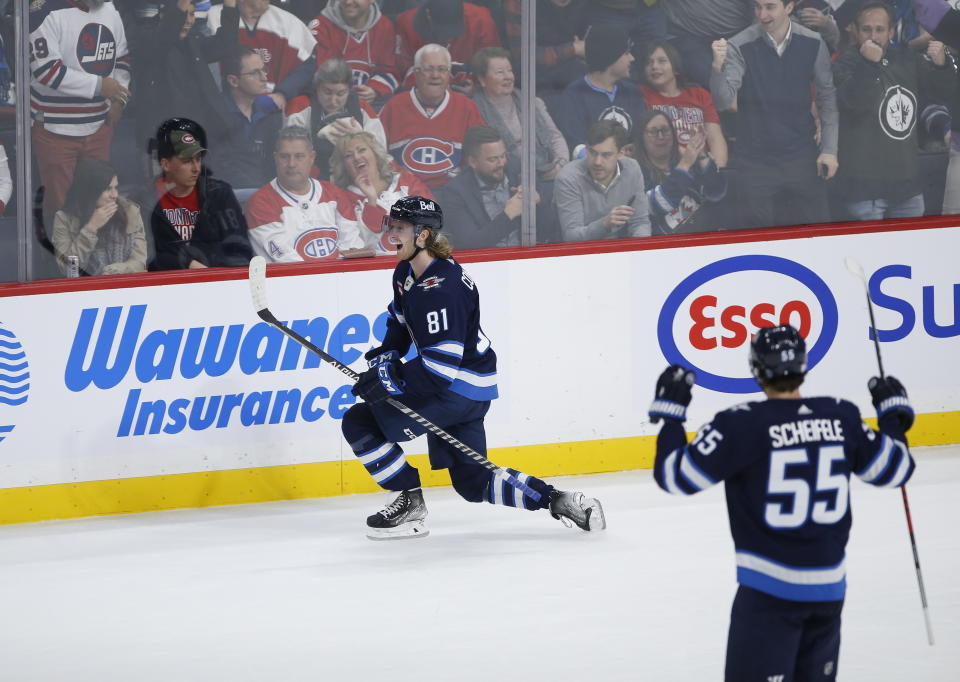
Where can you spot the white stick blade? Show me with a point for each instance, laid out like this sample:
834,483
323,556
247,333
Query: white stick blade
258,282
853,265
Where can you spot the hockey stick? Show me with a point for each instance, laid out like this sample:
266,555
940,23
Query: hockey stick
857,271
258,292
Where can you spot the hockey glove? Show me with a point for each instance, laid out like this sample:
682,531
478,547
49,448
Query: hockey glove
672,395
890,397
380,355
379,383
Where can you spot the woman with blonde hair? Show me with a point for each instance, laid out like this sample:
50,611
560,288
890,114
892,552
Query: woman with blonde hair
101,228
361,166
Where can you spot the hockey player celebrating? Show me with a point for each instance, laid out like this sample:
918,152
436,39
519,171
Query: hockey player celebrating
451,382
786,463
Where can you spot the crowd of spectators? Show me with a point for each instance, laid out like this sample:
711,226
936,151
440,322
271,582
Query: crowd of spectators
288,128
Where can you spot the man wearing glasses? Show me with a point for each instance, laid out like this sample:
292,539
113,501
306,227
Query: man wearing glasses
425,125
245,159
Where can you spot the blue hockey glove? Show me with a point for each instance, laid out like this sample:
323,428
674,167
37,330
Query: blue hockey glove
890,397
672,395
380,355
379,383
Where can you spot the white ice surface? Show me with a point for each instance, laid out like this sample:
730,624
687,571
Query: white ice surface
293,591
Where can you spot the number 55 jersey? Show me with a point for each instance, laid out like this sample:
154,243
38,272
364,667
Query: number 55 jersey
786,467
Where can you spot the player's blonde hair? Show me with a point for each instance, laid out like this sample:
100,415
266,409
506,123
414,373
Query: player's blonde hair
437,244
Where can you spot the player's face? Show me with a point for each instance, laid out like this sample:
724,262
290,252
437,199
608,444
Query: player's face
294,159
354,9
182,172
874,25
432,77
658,137
252,80
602,159
659,70
498,81
359,159
400,234
773,15
109,195
489,162
333,96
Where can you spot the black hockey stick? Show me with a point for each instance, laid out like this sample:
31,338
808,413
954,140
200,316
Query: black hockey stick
258,292
857,270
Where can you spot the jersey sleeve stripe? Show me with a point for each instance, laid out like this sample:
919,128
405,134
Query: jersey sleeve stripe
880,461
396,313
452,348
903,469
670,474
822,583
694,474
446,371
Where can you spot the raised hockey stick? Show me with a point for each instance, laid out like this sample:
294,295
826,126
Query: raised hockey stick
857,270
258,292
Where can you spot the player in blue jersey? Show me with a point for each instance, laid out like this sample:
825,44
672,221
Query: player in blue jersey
786,464
451,382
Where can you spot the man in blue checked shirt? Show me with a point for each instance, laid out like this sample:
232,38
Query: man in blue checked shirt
451,381
786,463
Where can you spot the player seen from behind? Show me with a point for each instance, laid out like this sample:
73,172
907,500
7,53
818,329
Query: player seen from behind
451,381
786,463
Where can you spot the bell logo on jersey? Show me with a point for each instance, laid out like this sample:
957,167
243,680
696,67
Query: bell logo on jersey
319,243
429,156
96,49
707,321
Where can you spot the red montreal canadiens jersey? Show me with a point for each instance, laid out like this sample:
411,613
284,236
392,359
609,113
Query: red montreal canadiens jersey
479,31
404,184
288,228
371,54
429,144
71,49
283,41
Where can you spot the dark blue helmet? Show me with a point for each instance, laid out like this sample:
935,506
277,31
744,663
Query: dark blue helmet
778,352
420,211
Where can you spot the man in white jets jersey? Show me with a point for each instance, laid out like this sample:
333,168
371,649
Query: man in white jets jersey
80,72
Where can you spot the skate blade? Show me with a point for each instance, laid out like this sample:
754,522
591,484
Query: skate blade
595,517
406,531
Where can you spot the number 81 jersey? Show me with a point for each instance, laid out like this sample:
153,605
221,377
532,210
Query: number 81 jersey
786,465
440,312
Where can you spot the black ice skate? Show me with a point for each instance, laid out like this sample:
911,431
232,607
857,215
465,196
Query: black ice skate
575,509
402,518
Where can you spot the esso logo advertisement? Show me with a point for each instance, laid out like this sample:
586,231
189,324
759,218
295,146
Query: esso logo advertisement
708,320
318,243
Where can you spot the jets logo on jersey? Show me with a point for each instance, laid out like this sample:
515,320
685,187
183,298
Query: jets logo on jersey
618,114
898,112
318,243
430,282
429,156
96,49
